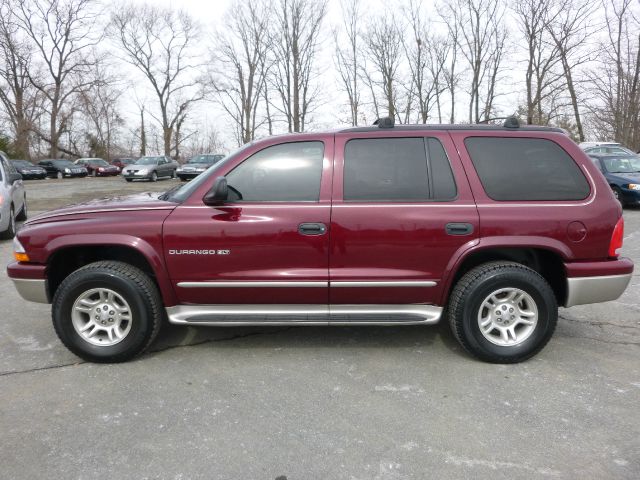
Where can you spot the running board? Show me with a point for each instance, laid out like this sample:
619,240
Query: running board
238,315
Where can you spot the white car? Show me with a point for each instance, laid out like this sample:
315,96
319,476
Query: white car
605,147
13,199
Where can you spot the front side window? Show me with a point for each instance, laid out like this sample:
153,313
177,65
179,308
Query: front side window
397,169
290,172
521,169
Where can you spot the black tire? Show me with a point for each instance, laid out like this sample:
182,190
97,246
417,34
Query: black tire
478,284
154,176
130,283
618,194
22,216
129,179
173,174
10,232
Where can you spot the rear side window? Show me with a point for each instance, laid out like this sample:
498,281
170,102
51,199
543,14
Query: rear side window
526,169
395,169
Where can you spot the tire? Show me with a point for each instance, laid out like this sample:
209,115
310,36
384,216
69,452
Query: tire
132,292
183,179
10,232
59,175
129,179
618,194
154,177
173,174
482,286
23,213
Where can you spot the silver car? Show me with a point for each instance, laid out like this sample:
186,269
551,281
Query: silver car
13,199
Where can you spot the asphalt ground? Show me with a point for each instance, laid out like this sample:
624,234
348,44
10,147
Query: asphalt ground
317,403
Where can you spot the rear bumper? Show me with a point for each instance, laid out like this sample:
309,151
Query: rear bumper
596,282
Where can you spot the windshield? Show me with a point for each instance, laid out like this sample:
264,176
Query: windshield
621,164
209,159
21,163
63,163
148,160
181,194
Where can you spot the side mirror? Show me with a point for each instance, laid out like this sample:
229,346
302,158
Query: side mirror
218,193
14,177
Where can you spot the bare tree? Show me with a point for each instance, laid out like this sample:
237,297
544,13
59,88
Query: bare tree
160,43
347,58
241,65
481,41
294,46
426,57
616,83
62,35
100,105
542,76
571,29
17,95
383,50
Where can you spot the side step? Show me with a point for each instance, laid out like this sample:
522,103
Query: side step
237,315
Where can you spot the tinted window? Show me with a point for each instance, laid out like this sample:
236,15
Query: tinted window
290,172
444,186
393,169
385,169
526,169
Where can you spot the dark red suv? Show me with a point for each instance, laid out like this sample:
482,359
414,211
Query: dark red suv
492,227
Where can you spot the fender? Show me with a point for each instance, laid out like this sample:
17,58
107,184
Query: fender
150,253
487,243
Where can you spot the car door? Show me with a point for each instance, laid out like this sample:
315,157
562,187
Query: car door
402,210
269,243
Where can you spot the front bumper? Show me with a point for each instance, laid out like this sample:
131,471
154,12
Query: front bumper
588,287
30,281
631,197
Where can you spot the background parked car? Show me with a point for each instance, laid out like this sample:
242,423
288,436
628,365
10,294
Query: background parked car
28,170
58,168
13,199
122,162
97,167
198,164
605,147
623,174
150,168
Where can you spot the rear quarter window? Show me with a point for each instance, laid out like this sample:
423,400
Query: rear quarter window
521,169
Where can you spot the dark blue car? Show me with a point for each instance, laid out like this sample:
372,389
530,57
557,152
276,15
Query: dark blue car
623,174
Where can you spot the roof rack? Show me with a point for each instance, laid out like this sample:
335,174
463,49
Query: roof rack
385,122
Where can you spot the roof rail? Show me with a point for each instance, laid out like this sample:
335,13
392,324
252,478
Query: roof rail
385,122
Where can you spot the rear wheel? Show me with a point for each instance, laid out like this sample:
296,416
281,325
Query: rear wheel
129,179
502,312
107,312
10,232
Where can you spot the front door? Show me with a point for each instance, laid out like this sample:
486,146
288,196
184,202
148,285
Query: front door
269,244
401,212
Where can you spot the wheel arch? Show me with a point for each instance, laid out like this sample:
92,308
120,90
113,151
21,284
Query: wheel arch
548,262
64,259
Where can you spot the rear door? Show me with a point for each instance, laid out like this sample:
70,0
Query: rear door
402,210
269,244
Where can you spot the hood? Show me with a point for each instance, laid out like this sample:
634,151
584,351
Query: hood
626,177
139,201
188,166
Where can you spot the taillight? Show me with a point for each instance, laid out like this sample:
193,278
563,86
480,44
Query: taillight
616,239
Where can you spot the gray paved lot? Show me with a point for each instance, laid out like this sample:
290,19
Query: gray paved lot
318,403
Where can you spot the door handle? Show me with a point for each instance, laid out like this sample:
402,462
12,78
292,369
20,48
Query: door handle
459,228
312,229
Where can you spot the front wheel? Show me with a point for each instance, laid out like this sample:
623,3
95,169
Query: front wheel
23,215
154,176
502,312
618,194
107,312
